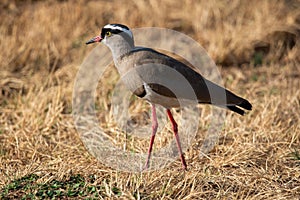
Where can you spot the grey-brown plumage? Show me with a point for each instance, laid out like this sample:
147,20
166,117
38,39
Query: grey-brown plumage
150,57
163,80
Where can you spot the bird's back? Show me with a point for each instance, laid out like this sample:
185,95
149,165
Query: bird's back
169,77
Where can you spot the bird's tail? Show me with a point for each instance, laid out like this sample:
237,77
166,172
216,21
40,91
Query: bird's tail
245,104
211,93
235,103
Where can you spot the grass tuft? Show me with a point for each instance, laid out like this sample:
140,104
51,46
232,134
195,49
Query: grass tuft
73,186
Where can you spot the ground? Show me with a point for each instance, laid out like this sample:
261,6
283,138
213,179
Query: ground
256,47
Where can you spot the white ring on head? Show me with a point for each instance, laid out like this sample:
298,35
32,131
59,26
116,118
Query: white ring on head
116,27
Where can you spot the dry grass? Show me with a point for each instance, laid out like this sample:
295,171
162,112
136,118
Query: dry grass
42,46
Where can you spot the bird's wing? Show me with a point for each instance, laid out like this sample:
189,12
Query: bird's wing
172,78
165,75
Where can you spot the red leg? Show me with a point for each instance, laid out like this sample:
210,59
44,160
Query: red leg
154,129
175,129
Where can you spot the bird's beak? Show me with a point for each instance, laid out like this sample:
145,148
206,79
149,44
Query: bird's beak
95,39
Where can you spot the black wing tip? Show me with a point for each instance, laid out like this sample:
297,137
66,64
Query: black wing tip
245,104
236,109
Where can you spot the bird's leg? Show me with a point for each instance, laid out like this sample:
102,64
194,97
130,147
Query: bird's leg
154,129
175,129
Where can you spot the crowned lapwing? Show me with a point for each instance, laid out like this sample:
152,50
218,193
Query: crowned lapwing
147,83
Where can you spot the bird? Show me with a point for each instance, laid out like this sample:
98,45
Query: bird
147,82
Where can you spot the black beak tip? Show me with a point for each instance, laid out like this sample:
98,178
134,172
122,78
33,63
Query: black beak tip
90,42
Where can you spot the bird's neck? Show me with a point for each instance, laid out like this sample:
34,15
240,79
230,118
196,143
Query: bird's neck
119,48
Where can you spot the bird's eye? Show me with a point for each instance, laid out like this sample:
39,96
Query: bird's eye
108,33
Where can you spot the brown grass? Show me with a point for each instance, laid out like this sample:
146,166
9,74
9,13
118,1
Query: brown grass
42,46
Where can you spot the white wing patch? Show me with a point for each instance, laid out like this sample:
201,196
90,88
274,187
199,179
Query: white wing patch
167,102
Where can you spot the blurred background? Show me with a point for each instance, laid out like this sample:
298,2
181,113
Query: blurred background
254,43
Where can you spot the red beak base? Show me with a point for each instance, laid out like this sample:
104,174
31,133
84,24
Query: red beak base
95,39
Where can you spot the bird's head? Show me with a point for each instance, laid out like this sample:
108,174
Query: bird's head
113,34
